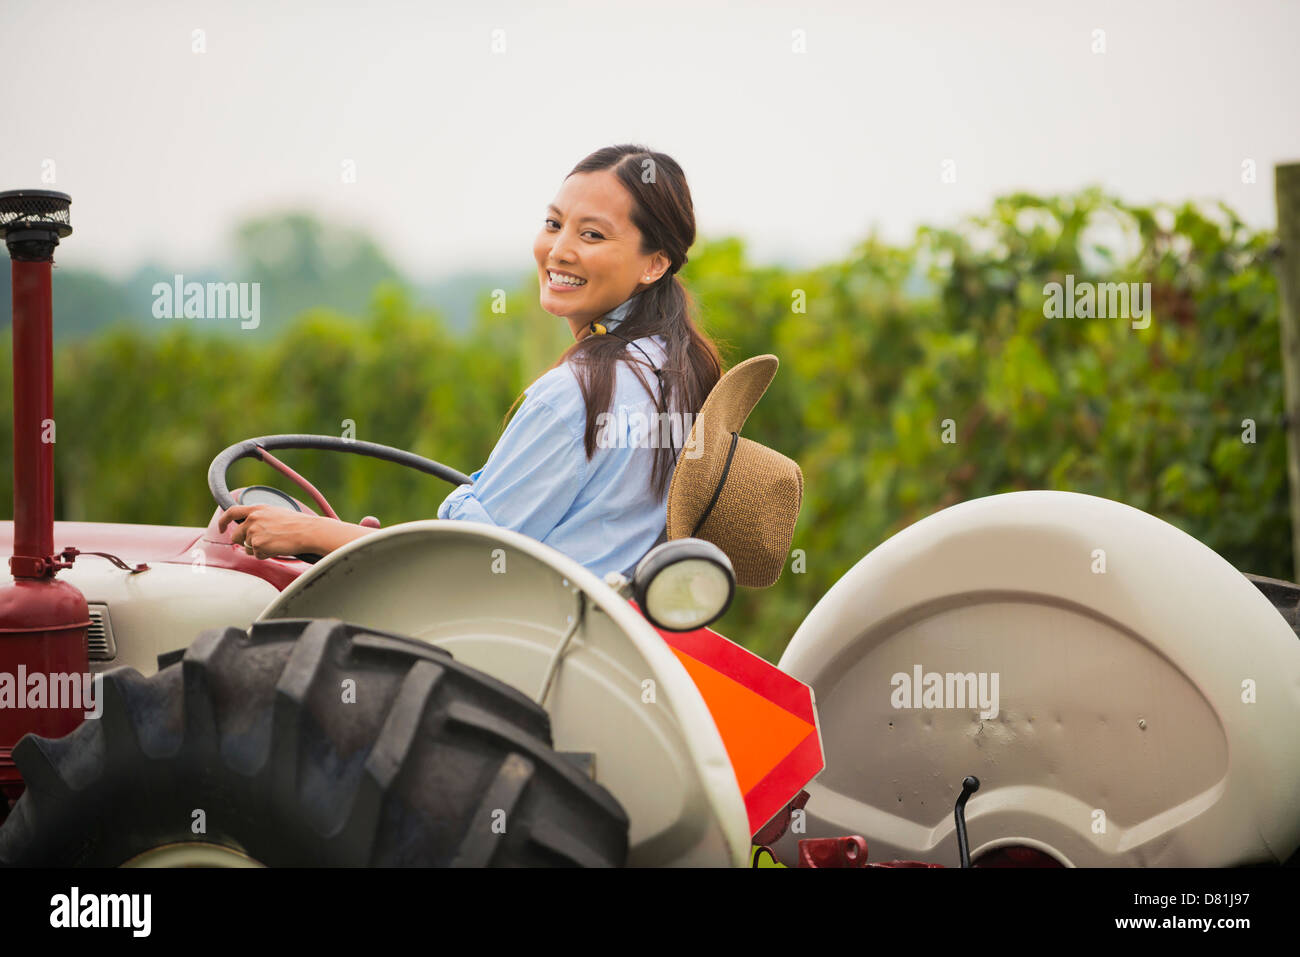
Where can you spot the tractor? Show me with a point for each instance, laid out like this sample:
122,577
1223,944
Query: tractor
1072,680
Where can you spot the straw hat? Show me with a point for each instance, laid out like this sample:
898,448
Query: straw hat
737,494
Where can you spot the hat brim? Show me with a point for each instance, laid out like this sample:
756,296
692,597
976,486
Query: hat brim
725,410
737,392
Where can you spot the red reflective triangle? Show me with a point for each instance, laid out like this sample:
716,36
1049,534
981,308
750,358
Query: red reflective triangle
767,719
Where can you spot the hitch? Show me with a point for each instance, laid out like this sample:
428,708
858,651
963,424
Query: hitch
851,851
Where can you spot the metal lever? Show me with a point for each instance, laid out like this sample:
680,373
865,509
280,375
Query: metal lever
969,786
69,555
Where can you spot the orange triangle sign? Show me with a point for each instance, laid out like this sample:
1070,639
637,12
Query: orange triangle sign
767,719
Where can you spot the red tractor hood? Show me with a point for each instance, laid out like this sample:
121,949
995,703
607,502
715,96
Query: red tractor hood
153,544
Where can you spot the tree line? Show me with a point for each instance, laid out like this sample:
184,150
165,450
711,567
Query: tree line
913,377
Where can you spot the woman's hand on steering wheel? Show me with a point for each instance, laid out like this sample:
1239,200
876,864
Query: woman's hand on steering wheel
266,531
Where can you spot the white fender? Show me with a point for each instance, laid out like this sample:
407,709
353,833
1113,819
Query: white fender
501,602
1148,695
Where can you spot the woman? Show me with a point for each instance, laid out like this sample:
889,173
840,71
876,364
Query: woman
585,464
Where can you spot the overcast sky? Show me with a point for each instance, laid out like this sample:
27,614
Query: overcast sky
458,149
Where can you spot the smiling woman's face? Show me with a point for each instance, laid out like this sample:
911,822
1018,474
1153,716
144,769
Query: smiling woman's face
588,235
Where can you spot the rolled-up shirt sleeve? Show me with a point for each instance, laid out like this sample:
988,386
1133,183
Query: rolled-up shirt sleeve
531,479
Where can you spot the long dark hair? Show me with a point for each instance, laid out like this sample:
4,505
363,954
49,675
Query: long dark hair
662,210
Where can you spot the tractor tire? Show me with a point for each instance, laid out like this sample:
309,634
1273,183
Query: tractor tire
310,743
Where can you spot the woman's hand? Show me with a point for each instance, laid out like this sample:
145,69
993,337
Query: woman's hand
268,530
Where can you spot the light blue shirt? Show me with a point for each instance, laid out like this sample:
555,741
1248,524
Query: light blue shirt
538,480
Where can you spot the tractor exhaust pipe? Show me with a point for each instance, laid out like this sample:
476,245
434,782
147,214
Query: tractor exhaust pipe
43,620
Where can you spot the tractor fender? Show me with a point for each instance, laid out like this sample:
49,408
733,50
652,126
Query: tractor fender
1148,693
502,602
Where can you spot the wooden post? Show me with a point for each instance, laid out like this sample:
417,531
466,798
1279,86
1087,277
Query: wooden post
1288,278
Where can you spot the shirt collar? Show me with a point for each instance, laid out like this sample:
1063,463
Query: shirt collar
616,315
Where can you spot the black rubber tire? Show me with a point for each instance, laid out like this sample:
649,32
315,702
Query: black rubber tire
252,729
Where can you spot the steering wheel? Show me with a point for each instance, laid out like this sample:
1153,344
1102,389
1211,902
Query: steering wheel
259,448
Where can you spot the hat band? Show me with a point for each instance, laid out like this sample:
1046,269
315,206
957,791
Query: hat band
718,490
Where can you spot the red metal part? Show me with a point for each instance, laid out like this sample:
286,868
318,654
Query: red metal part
1016,855
307,487
903,864
33,415
29,566
134,543
168,544
42,631
70,554
43,620
848,851
279,572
